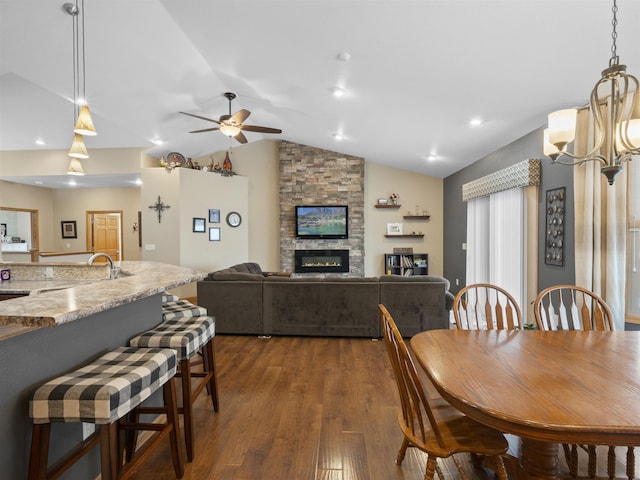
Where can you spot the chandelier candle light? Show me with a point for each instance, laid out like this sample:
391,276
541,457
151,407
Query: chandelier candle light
84,124
614,106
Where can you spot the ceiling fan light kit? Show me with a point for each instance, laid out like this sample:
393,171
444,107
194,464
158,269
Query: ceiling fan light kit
614,107
231,124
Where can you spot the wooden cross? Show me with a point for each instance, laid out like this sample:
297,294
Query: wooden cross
159,207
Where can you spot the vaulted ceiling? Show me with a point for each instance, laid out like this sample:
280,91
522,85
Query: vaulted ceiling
418,72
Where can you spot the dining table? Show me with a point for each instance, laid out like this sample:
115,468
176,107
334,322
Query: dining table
546,387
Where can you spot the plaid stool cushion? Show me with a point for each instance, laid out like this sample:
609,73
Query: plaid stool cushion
186,337
168,297
106,389
182,309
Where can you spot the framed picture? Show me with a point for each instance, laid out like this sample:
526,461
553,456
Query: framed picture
214,215
3,229
69,229
199,225
214,234
394,229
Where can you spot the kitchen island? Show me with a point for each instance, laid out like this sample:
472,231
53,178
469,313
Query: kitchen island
62,324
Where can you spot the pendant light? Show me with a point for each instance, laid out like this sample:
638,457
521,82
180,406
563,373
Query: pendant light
614,106
84,123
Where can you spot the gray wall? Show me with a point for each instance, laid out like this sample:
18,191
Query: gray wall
455,210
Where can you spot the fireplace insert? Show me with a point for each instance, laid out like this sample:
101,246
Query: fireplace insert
323,261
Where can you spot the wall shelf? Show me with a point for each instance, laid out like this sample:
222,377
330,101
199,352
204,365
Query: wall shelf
377,205
410,235
417,217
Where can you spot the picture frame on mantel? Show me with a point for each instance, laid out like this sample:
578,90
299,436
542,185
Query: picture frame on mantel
69,229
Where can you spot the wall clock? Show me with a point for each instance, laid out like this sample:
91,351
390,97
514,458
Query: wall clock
234,219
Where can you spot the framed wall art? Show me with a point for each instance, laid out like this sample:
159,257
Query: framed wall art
214,215
555,227
214,234
394,229
199,225
69,229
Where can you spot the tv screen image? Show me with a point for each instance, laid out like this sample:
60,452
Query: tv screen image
322,221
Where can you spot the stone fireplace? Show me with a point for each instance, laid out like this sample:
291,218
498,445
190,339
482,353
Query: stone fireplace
313,176
324,261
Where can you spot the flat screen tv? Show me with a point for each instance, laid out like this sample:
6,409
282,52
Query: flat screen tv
322,221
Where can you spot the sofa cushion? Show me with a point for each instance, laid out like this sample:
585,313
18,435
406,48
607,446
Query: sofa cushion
226,276
246,267
351,279
415,278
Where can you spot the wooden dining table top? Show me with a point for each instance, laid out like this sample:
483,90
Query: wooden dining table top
564,386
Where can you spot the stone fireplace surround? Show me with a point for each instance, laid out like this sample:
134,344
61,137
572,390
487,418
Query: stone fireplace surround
313,176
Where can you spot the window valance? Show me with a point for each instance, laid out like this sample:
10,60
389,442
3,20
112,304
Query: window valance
521,174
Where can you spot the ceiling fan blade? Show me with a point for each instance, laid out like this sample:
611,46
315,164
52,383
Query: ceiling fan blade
200,117
205,130
240,137
256,128
240,116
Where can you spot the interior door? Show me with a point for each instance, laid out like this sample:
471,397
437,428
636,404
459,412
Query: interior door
105,234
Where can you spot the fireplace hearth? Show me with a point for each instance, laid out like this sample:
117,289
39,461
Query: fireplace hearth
322,261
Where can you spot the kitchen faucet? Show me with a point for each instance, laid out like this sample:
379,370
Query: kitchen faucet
112,269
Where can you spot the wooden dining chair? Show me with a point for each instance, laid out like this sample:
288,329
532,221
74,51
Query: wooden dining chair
432,425
569,307
482,306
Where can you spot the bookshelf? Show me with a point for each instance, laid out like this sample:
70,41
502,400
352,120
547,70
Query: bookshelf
406,264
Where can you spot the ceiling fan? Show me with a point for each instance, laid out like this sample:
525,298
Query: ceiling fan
231,125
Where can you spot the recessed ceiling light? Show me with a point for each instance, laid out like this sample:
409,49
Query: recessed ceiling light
338,136
431,157
39,141
474,122
157,141
72,183
344,56
338,92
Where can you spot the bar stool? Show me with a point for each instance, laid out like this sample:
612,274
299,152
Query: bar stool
186,335
104,392
176,309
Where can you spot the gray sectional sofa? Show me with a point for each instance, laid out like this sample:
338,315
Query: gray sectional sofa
246,300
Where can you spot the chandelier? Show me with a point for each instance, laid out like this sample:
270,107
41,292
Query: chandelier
84,124
614,106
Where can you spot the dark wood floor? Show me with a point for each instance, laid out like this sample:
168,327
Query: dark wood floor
303,409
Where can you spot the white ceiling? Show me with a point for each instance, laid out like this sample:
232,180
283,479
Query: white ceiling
419,71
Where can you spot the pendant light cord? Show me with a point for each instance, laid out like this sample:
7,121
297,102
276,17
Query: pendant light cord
614,35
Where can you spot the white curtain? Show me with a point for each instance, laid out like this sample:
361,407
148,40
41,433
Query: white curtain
496,250
507,239
478,240
600,225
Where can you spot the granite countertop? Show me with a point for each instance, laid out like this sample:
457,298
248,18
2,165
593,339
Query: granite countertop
67,300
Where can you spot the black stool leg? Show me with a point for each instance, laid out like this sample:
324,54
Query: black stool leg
174,435
109,452
187,407
210,366
39,455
